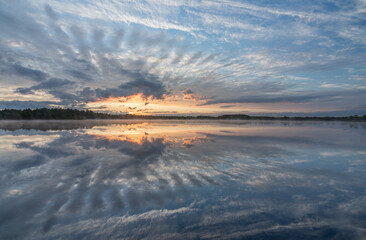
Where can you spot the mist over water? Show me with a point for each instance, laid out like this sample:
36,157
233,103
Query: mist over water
136,179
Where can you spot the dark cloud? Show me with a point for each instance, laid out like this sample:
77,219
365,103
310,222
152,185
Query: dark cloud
116,199
26,163
135,37
35,75
177,180
195,57
79,75
50,12
51,152
80,37
209,58
25,104
193,180
263,99
78,33
117,38
187,91
50,84
138,38
145,83
295,98
78,161
98,37
19,25
227,106
188,94
19,70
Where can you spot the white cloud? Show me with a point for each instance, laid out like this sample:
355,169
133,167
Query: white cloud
154,214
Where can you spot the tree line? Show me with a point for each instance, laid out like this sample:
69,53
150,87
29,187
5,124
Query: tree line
53,113
74,114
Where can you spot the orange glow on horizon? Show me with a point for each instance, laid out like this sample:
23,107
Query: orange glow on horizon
189,104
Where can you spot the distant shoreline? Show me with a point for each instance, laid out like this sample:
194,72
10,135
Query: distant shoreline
73,114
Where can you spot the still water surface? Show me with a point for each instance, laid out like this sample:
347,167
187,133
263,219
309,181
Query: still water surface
182,180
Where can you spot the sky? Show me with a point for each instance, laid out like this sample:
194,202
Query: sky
185,57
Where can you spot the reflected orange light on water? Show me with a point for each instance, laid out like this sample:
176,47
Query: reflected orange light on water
147,131
178,132
190,133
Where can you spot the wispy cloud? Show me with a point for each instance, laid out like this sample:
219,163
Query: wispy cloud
162,48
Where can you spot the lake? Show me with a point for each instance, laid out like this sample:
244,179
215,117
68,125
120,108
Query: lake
131,179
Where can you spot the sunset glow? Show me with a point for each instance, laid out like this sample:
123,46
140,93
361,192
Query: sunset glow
160,58
182,119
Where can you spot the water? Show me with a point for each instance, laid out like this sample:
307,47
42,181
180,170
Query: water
182,180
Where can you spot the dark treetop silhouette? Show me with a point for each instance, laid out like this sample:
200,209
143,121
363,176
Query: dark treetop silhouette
59,113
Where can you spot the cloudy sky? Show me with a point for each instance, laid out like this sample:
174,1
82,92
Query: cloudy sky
185,57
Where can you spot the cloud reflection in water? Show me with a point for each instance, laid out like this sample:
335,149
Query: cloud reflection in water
176,179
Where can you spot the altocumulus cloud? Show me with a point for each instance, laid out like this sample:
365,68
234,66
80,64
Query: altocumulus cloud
73,57
237,52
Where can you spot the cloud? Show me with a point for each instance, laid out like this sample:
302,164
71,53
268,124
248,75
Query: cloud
188,94
187,91
79,75
117,38
51,152
25,28
34,161
225,20
155,214
51,13
25,104
19,70
235,52
125,12
264,99
104,58
145,83
90,64
292,98
195,57
227,106
50,84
